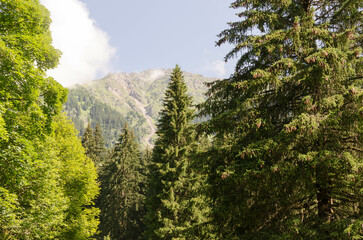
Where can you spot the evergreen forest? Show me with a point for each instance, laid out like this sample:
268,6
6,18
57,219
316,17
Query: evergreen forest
275,151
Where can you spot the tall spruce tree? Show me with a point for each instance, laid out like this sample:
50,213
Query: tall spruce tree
287,161
173,209
122,200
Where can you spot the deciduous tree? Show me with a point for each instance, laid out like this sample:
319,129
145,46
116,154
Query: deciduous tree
42,196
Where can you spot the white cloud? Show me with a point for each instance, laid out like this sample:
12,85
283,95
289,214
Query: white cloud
217,67
85,47
155,73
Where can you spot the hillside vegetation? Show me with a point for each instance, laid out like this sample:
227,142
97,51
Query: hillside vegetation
135,98
276,153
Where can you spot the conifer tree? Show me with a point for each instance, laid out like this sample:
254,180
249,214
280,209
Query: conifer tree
172,208
121,197
99,146
92,141
288,155
88,141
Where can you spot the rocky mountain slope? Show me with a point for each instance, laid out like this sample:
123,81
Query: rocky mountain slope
135,98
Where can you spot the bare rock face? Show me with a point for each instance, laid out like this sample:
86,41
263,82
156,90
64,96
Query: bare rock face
137,97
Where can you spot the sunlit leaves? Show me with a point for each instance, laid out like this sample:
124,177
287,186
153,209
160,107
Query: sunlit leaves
46,181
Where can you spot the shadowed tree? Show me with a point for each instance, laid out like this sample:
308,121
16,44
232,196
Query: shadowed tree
88,141
99,148
288,155
122,199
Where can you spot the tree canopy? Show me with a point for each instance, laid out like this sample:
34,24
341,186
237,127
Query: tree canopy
122,196
287,124
279,155
174,211
46,181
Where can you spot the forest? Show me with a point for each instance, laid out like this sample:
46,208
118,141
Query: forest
278,154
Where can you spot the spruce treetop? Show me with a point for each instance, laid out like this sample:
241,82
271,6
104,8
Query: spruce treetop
176,114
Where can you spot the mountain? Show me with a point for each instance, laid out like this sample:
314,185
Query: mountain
135,98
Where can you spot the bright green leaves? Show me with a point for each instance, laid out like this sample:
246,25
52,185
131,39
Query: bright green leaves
46,180
52,181
53,96
78,174
26,53
3,132
29,172
8,205
27,17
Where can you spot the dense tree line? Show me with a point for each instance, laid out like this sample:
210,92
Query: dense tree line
279,155
82,107
81,101
122,175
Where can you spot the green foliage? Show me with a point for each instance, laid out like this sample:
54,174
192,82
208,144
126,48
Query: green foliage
88,141
46,180
26,53
3,132
173,209
99,149
135,98
47,184
280,156
8,205
78,174
287,157
92,141
122,194
83,108
29,170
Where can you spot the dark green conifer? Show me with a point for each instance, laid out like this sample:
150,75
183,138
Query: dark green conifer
88,141
121,197
99,146
94,144
288,152
173,209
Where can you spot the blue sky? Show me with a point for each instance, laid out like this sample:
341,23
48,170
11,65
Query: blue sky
132,36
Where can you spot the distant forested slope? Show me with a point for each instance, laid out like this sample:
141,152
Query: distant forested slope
135,98
83,107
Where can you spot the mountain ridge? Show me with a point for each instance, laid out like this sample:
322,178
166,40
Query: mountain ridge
136,97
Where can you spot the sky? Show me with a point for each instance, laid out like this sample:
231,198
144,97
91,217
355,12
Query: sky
100,37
